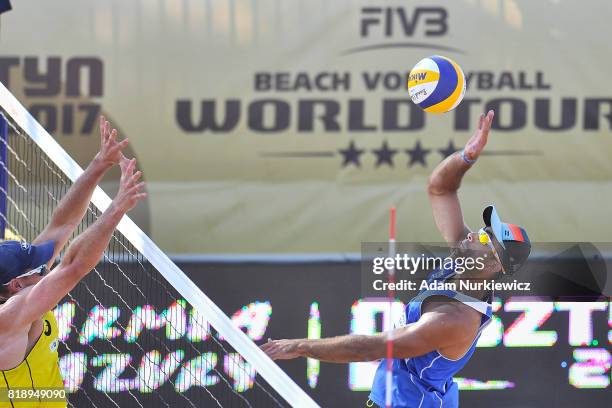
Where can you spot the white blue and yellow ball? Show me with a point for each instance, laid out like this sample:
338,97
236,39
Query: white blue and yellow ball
436,84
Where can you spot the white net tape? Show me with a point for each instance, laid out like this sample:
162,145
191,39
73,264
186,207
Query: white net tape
136,331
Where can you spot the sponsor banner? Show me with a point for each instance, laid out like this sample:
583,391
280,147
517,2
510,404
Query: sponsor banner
550,352
293,117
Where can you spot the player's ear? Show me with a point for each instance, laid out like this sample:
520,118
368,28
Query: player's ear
12,287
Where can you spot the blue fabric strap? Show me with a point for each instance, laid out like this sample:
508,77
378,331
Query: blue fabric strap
465,159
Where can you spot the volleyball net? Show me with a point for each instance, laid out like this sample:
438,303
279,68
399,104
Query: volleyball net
136,331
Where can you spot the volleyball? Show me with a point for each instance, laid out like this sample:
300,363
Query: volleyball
436,84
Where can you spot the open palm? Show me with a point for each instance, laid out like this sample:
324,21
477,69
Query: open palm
110,147
477,142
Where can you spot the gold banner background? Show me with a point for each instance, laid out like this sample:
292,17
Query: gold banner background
226,192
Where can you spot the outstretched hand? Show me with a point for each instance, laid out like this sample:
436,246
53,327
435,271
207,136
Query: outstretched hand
477,142
110,149
281,349
130,190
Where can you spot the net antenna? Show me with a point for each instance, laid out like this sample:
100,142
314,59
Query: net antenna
19,118
391,295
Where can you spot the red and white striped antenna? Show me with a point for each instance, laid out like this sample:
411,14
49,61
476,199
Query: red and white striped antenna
389,322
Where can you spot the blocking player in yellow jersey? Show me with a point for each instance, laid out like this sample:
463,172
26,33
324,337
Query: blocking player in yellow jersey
29,370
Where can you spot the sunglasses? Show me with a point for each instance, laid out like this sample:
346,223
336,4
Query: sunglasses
485,239
40,270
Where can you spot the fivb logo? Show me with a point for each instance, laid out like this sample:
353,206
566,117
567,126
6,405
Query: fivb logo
401,21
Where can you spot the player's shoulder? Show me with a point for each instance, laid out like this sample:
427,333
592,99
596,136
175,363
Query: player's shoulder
450,325
6,317
10,330
10,312
450,311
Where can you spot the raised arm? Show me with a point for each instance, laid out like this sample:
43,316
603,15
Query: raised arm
446,178
434,331
81,257
72,207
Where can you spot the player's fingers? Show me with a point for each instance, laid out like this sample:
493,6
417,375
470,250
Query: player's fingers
481,120
490,116
130,182
138,187
486,126
267,347
136,176
272,353
102,120
127,167
113,134
119,146
135,190
123,143
488,123
124,162
483,139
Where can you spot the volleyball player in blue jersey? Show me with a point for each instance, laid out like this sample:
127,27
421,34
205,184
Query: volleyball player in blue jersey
442,326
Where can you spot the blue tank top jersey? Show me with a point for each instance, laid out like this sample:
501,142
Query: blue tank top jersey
427,381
